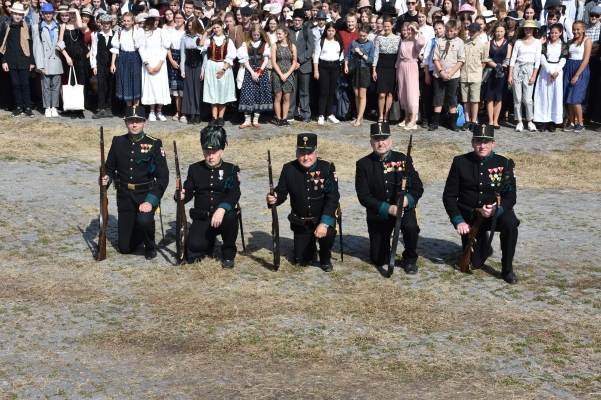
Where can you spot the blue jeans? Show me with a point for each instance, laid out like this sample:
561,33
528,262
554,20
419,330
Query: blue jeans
20,81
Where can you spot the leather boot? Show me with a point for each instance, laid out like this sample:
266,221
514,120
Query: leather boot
434,121
453,125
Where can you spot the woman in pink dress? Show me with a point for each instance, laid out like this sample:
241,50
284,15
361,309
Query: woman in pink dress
407,72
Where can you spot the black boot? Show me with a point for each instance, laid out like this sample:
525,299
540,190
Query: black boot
425,124
551,126
467,126
434,121
453,125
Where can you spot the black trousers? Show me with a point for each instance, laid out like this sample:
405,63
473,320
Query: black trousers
379,238
20,81
201,236
507,225
105,86
135,228
328,79
305,244
592,111
427,95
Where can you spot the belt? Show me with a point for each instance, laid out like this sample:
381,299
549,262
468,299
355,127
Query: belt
329,62
135,186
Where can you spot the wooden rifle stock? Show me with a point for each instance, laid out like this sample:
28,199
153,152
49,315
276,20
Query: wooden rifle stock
104,204
239,214
181,223
275,226
464,261
399,210
339,220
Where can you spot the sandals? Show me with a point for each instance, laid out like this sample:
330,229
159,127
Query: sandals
175,117
182,119
357,122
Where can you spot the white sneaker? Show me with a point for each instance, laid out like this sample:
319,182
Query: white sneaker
54,112
531,126
161,117
519,127
48,113
333,119
320,120
152,117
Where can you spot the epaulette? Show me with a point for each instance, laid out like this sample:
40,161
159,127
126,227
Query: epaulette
321,159
150,137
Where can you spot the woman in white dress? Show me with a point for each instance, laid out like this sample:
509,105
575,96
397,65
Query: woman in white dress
548,95
155,77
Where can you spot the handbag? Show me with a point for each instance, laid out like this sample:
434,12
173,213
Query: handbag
73,99
395,111
352,62
486,74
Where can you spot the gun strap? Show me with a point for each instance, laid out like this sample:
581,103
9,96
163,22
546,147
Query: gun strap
493,225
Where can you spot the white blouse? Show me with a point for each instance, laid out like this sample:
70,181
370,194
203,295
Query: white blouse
176,38
127,40
243,51
331,51
230,56
526,54
154,46
553,62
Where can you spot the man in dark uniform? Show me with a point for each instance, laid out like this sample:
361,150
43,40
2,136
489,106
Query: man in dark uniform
136,163
377,183
313,187
471,183
215,186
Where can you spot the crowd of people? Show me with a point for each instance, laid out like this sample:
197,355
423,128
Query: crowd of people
440,62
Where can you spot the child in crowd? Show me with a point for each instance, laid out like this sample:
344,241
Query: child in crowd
471,75
428,88
448,57
174,55
577,75
126,63
548,95
363,50
191,64
407,71
499,51
255,95
283,59
100,61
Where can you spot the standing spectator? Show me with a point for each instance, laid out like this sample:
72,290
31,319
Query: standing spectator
577,75
377,30
304,41
127,64
407,69
318,29
192,62
283,59
255,95
386,48
511,24
427,89
362,49
174,66
98,8
100,61
219,86
499,50
523,67
548,95
448,57
329,52
351,32
48,60
471,75
593,29
449,11
409,16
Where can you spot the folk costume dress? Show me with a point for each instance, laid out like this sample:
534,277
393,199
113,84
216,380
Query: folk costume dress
191,63
575,94
176,82
155,88
128,64
255,96
407,71
218,51
548,96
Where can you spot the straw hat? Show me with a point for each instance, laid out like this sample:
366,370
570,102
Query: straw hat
363,3
529,23
141,18
63,10
17,9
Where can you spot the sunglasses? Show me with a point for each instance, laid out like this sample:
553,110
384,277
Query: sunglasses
593,15
411,2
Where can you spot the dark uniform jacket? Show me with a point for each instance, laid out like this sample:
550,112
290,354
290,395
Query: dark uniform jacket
377,183
472,183
137,162
313,192
212,188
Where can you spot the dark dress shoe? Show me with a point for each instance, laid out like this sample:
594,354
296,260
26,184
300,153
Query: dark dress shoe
150,254
228,264
510,278
411,269
81,115
425,124
99,114
327,267
212,122
467,126
109,113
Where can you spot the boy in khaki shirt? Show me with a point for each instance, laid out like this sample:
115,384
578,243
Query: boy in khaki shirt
471,75
448,57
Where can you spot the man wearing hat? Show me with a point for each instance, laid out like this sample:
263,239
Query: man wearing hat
240,34
304,41
136,164
100,62
16,57
377,182
215,186
472,181
313,187
47,59
321,19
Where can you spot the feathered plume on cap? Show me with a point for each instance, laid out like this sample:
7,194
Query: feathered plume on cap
213,137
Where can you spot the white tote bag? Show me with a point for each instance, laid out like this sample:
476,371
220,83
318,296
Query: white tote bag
73,95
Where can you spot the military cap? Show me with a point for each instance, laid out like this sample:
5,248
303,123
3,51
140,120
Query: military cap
213,137
135,112
306,142
381,129
483,131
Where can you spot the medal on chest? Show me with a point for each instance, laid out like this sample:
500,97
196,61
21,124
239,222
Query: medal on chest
393,166
145,148
495,175
220,175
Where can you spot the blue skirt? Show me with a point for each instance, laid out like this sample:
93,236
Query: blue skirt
176,82
575,94
129,76
255,96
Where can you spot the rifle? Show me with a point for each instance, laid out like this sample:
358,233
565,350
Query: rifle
239,214
104,205
464,262
181,224
339,220
275,226
399,210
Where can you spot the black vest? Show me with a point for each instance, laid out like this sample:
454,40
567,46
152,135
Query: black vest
104,55
193,58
